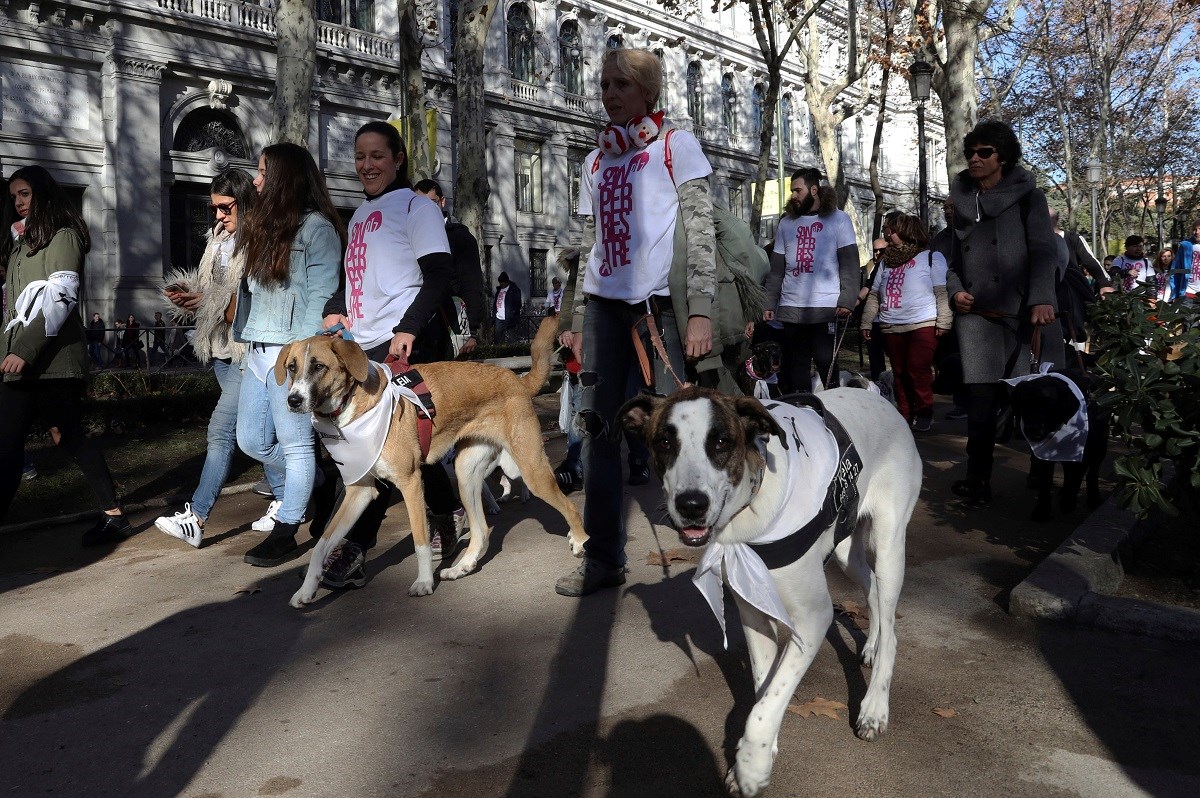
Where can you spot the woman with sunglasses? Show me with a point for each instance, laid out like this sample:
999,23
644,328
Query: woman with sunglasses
908,297
205,298
292,242
1001,282
43,356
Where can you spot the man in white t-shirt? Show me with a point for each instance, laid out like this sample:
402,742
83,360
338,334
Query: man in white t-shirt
508,309
814,279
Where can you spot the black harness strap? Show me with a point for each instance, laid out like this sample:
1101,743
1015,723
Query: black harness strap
840,508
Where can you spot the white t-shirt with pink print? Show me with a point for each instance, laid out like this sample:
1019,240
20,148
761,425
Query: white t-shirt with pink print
635,202
906,292
809,244
387,234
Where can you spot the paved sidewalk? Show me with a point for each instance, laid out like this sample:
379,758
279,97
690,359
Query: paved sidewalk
154,669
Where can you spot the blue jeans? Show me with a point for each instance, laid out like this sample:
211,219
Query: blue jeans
279,439
609,377
222,435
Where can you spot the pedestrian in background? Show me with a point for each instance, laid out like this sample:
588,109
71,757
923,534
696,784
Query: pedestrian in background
1129,266
508,309
466,278
131,342
43,357
1185,270
95,340
292,243
159,344
1001,282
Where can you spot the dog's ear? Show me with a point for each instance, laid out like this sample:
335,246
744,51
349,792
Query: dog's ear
281,362
635,414
756,420
353,358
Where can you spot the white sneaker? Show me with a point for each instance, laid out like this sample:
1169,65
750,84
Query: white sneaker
267,522
185,526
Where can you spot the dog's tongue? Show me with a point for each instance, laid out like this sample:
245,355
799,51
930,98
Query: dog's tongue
694,533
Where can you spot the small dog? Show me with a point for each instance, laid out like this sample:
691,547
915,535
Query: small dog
1061,425
759,376
485,411
745,475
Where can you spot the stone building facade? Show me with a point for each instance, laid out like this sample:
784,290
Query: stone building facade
135,104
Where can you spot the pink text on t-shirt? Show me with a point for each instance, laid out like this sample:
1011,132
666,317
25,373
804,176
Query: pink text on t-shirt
616,206
356,263
806,245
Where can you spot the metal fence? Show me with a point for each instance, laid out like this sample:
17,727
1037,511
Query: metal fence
148,348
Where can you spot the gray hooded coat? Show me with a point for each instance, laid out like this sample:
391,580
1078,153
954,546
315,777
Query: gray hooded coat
1003,253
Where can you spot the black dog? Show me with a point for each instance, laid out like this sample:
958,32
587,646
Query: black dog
1041,407
765,361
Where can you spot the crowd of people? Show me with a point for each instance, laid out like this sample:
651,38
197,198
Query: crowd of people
984,298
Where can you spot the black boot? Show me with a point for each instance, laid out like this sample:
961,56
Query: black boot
109,529
977,492
279,547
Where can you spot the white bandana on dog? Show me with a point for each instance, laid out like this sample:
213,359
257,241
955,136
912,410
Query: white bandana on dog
810,462
356,446
1067,442
55,298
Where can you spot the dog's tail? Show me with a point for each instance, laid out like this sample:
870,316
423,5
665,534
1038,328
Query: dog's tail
542,351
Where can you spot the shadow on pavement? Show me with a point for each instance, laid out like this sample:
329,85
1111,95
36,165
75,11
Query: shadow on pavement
142,715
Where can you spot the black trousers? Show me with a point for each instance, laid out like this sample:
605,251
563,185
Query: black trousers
983,404
58,403
802,344
440,496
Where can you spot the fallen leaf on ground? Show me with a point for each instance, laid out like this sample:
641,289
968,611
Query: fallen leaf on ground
248,589
665,558
856,614
818,706
944,712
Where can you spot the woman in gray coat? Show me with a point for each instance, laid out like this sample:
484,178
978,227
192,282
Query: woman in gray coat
1001,282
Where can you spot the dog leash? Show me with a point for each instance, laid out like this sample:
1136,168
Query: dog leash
338,328
644,357
844,323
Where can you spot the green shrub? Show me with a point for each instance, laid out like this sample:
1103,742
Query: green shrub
1149,372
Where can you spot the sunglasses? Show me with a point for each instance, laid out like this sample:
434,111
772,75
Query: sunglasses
983,152
880,251
224,207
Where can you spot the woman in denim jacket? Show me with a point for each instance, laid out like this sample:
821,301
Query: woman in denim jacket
292,242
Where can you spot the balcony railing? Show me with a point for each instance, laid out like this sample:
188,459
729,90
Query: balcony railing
526,92
252,16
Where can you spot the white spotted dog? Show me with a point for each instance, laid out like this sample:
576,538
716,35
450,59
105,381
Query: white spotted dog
774,489
372,431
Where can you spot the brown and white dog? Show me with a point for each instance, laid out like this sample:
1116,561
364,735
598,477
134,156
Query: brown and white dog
735,472
485,411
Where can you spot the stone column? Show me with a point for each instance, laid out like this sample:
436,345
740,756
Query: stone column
136,233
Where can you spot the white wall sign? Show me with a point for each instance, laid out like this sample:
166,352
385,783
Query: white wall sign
47,97
338,137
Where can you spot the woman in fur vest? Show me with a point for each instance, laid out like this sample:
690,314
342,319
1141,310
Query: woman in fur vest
204,297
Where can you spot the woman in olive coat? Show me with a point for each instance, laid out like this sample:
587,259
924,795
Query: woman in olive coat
43,350
1001,282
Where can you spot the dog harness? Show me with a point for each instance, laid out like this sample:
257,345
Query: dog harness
356,446
1067,443
818,451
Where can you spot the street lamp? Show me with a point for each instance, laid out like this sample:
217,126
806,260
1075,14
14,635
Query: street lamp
920,79
1160,205
1094,168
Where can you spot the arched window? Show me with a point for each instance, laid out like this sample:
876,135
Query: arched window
354,13
756,109
695,93
785,126
520,43
615,42
570,56
206,128
729,103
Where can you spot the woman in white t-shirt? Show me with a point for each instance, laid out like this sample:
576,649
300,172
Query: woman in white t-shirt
909,298
398,270
633,188
814,279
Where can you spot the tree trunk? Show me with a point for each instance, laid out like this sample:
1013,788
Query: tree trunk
876,145
296,43
420,159
766,139
955,82
471,187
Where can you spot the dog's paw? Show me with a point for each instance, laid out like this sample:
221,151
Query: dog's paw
421,587
867,655
302,596
460,569
576,545
870,727
748,777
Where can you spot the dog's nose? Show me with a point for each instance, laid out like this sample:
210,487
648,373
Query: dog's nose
691,504
295,400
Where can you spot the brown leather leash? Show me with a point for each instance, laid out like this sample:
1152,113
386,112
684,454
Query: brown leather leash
644,357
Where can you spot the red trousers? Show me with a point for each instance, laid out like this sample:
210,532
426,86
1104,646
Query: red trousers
911,354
